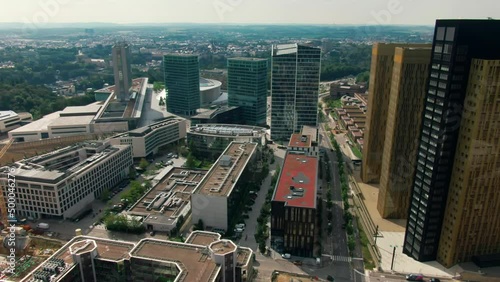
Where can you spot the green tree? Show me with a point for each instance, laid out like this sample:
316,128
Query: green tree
262,247
351,243
105,195
143,164
190,161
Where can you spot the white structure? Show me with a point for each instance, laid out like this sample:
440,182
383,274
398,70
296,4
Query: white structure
211,201
10,120
61,183
209,91
146,140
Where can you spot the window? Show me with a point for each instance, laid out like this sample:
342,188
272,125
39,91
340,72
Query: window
450,33
440,33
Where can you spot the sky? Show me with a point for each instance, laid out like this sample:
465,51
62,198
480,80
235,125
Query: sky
361,12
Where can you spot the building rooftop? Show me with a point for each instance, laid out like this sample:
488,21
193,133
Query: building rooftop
298,181
206,83
223,175
202,238
195,264
90,109
300,140
247,59
145,130
71,120
227,130
7,114
243,255
173,191
209,114
312,131
223,247
113,108
37,125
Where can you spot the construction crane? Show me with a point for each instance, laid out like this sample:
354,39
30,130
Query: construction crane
3,207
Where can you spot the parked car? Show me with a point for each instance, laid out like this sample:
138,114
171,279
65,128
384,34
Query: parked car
414,277
240,225
169,155
297,262
286,256
175,156
435,280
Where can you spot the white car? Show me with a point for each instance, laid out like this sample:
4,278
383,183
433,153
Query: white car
286,256
241,225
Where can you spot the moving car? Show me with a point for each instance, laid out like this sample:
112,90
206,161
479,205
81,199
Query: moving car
414,277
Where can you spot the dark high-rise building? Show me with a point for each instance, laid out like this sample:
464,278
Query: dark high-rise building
294,88
182,82
122,71
247,88
456,43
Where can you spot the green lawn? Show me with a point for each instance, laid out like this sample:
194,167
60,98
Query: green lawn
367,256
356,152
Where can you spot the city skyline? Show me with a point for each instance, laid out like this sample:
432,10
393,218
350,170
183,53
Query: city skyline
378,12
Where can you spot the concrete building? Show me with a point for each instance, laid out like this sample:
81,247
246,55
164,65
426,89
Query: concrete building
210,140
203,257
404,117
295,72
100,118
293,206
10,120
182,82
338,90
454,201
215,198
122,71
62,183
169,201
145,141
209,91
378,104
220,114
303,144
247,88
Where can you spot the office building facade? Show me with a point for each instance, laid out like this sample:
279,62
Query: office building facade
122,71
182,82
247,88
378,102
404,115
471,222
456,43
62,183
295,74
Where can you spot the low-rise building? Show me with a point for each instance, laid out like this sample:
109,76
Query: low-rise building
145,141
203,257
216,198
302,143
61,183
10,120
169,201
338,90
210,140
293,206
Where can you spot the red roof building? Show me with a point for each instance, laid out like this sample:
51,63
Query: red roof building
293,208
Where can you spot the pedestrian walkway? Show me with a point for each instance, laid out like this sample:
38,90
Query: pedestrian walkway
341,258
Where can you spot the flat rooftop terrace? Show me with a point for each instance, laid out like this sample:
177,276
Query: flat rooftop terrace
298,181
226,171
178,181
196,265
300,140
202,238
107,249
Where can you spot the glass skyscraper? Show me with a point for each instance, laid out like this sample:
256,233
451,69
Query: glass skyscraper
294,88
182,82
456,44
247,88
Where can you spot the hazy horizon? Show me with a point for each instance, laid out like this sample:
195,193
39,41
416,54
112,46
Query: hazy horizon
249,12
